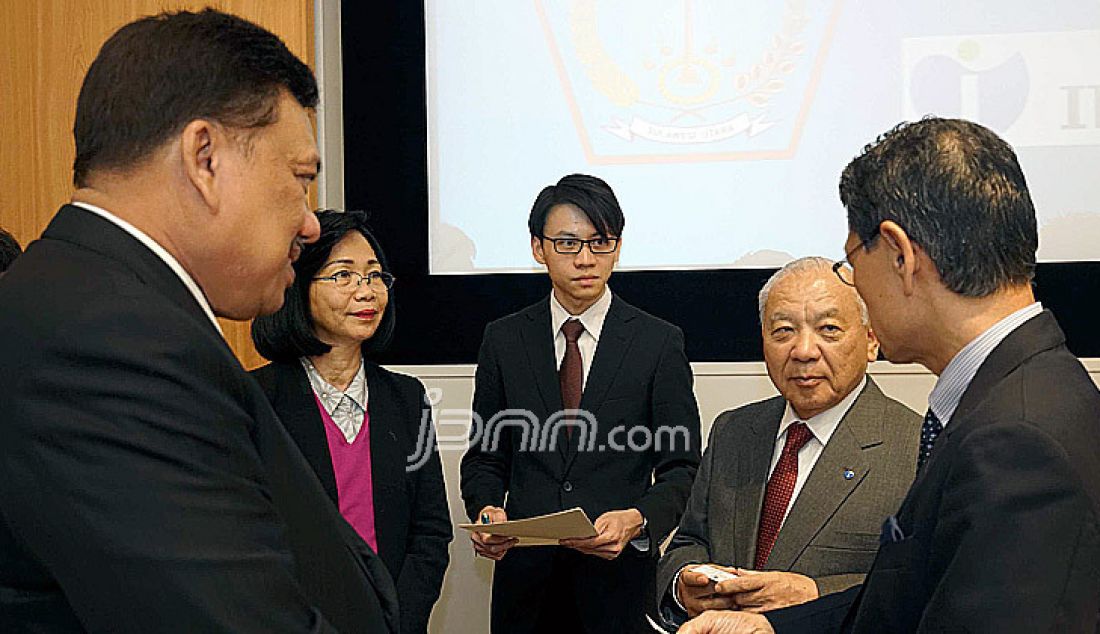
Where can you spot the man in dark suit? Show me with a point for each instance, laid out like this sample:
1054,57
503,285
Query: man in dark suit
797,484
627,458
1000,532
145,483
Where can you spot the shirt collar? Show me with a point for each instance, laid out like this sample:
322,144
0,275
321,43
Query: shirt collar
944,398
592,318
161,252
824,424
330,395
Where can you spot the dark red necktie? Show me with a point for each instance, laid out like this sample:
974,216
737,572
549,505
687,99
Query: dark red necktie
571,372
778,493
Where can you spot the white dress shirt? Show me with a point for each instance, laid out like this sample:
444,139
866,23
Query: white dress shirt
347,408
161,252
821,427
955,378
592,319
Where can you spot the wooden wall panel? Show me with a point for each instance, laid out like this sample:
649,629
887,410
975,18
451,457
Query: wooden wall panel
48,45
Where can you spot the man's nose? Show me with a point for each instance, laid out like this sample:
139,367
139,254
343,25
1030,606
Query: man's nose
585,257
310,229
805,347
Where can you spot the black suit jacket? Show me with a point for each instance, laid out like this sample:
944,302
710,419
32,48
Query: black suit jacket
831,533
145,483
412,520
639,383
999,532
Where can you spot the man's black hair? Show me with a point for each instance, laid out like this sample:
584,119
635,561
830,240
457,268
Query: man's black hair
957,190
589,194
157,74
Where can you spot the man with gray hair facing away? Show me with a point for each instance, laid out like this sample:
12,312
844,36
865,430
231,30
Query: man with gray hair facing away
792,490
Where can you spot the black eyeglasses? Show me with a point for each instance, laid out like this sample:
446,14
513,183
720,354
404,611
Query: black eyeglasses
380,281
573,246
843,268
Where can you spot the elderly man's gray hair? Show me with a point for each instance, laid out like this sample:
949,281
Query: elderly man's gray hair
804,265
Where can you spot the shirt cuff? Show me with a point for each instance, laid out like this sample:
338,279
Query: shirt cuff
675,585
672,612
641,542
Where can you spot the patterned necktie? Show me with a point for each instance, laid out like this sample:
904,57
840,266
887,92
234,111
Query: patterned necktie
571,372
778,493
928,433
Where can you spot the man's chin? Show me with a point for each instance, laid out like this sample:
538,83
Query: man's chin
269,307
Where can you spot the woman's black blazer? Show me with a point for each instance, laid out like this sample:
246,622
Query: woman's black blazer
411,516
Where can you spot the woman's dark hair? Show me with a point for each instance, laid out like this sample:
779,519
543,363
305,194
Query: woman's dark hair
287,334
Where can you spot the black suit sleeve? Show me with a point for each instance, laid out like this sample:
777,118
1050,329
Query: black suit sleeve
824,615
426,557
486,466
129,474
674,418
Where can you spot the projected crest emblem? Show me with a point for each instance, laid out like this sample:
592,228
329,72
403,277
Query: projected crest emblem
688,80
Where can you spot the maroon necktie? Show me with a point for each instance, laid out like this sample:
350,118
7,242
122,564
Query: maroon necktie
571,372
777,495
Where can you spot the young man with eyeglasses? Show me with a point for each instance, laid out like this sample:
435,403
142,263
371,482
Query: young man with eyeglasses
628,457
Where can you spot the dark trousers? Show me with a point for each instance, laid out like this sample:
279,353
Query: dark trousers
556,590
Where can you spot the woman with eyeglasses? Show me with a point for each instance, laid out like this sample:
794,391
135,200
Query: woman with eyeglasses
367,432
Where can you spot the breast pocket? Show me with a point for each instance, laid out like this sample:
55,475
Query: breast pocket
899,555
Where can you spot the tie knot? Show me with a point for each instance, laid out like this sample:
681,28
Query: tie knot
572,330
798,434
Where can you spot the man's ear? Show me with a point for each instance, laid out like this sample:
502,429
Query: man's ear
536,250
872,345
201,145
902,253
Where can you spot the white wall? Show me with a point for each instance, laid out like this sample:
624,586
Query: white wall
464,606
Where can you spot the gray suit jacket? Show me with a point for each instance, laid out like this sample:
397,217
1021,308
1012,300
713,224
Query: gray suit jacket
832,531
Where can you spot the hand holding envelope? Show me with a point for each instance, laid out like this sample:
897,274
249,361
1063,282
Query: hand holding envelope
544,530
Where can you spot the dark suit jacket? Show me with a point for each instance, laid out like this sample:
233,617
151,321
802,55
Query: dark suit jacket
412,521
831,533
145,483
999,532
639,380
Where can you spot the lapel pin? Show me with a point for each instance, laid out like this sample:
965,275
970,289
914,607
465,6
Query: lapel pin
849,474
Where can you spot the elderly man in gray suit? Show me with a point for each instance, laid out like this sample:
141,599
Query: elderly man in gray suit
792,490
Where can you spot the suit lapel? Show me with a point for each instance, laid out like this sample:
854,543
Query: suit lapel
296,406
827,487
387,459
538,344
753,459
614,343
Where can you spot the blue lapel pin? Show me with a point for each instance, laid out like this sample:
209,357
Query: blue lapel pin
849,474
